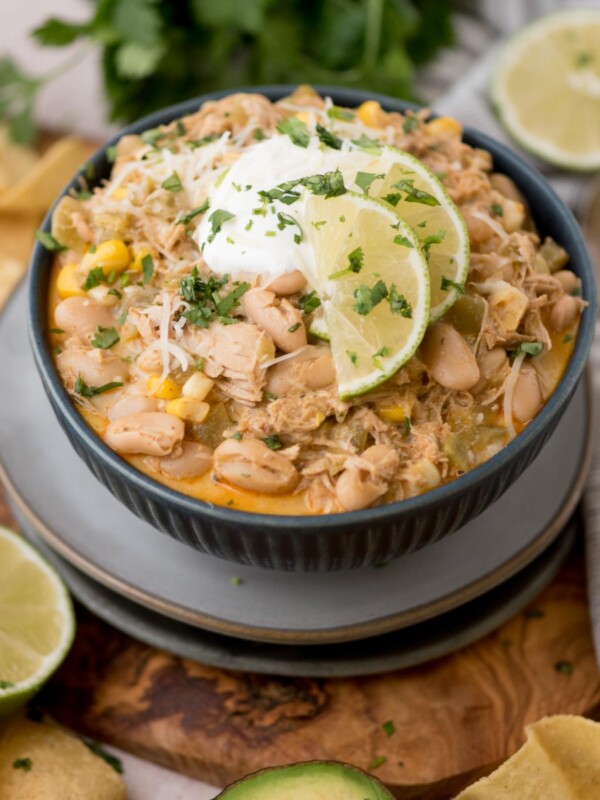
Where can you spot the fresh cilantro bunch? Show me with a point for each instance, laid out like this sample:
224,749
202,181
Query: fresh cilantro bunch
156,52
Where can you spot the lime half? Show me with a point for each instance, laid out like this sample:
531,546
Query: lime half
546,88
373,282
36,621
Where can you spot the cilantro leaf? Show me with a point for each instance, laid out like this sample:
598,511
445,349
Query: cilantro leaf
335,112
296,130
105,338
415,195
285,220
355,264
369,297
225,305
352,356
23,763
309,302
529,348
403,240
393,198
410,123
364,180
216,219
449,284
432,238
95,277
273,442
173,183
328,138
372,146
185,219
98,750
49,242
330,184
84,390
398,303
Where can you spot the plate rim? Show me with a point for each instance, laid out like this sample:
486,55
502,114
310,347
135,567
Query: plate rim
340,633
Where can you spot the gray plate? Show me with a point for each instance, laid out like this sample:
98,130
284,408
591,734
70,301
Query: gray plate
398,650
81,520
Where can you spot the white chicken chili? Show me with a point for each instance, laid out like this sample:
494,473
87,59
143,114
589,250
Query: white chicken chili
297,308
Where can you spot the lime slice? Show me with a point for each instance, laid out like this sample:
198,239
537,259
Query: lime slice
318,326
372,279
36,624
421,200
546,88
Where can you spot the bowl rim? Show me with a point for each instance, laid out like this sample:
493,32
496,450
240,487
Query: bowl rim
512,163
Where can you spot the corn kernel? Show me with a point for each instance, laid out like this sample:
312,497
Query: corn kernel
197,387
445,126
121,193
110,256
393,413
139,254
165,390
129,333
370,113
67,283
188,409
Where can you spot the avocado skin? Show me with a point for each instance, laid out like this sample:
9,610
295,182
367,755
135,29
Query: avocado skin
290,777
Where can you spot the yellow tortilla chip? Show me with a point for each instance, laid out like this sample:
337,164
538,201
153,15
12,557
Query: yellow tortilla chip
41,761
35,192
16,235
16,160
559,761
11,272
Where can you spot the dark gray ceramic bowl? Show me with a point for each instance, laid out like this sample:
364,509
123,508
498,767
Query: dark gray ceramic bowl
336,541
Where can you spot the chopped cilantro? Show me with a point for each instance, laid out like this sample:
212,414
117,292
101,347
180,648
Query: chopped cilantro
49,242
185,219
406,424
564,666
372,146
225,305
249,224
147,268
529,348
23,763
352,356
355,264
335,112
583,59
125,279
433,238
497,209
330,184
235,580
216,219
294,328
377,762
449,284
194,143
84,390
152,136
567,338
328,138
6,684
393,198
259,134
382,352
200,364
410,123
319,224
285,220
172,183
309,302
296,130
388,727
237,436
399,304
205,300
179,128
270,395
414,195
404,240
364,180
95,278
273,442
369,297
111,153
57,331
105,338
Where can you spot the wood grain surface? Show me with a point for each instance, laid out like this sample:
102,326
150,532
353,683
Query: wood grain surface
455,719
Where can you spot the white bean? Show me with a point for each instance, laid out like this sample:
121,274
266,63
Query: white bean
79,316
277,317
568,280
527,394
359,485
191,460
132,404
311,369
95,367
151,433
564,312
449,358
288,283
250,464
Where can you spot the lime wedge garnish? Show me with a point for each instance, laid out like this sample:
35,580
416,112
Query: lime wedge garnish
36,625
373,282
546,88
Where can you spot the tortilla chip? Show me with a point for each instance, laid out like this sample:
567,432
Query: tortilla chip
559,761
17,235
41,761
11,272
16,160
35,192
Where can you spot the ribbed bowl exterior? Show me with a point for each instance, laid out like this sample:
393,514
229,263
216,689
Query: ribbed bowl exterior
336,541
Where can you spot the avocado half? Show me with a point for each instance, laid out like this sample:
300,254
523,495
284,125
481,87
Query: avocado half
311,780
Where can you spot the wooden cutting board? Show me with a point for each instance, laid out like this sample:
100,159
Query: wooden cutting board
455,719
